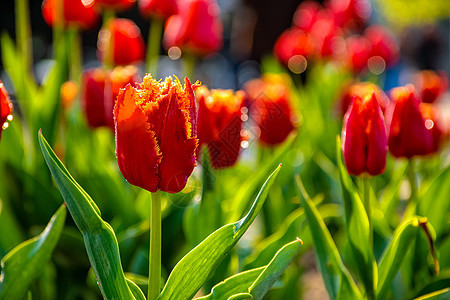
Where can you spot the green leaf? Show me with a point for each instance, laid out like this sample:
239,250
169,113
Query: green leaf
404,236
26,261
443,294
99,238
256,281
194,268
336,277
357,228
435,204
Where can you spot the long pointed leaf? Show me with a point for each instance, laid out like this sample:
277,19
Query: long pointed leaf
99,238
194,268
26,261
336,277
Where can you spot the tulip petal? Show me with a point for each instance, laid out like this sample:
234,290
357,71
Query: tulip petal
137,149
354,141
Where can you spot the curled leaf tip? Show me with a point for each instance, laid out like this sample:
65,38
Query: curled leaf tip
299,240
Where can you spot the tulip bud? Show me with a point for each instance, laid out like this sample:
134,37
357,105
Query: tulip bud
196,29
269,107
161,9
100,90
156,134
219,124
70,13
364,141
6,108
120,42
408,134
360,90
116,5
431,85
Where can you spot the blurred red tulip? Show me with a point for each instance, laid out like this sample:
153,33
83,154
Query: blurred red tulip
305,14
383,44
364,141
360,90
219,124
196,29
74,13
100,90
408,134
351,14
156,134
120,42
161,9
432,123
327,36
431,85
6,108
358,53
269,107
117,5
293,42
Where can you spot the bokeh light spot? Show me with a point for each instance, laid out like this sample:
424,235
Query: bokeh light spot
174,52
297,64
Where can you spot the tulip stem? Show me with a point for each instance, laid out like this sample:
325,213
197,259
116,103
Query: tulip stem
154,275
366,195
412,206
153,46
189,66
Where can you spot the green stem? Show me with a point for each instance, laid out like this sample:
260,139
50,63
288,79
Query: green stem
366,195
23,33
412,205
153,46
154,275
75,59
189,66
108,60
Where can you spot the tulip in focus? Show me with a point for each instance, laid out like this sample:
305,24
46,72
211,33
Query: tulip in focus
269,107
360,90
120,42
116,5
408,134
431,85
219,124
74,13
196,29
100,90
364,140
156,134
161,9
6,108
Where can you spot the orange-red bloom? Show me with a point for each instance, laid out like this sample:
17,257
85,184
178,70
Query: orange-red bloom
6,108
156,134
408,134
219,124
431,85
100,90
364,141
120,42
432,123
360,90
117,5
383,44
196,29
158,8
73,13
293,42
269,107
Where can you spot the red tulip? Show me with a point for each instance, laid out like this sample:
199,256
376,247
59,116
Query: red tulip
360,90
408,134
161,9
431,85
358,53
383,44
351,14
156,134
120,42
305,15
100,89
117,5
432,123
196,29
74,13
292,42
364,141
269,107
219,124
6,108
